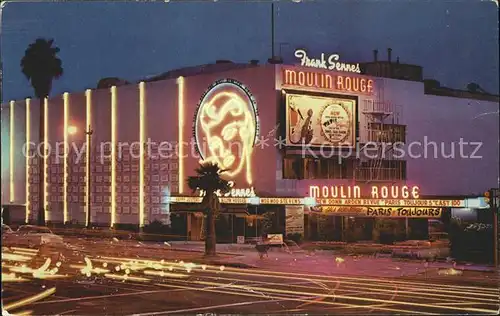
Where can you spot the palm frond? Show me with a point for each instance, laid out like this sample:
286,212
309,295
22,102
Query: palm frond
208,178
40,65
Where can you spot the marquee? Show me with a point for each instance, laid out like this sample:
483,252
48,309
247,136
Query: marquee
326,202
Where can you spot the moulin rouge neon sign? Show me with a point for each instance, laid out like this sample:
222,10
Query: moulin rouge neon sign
354,192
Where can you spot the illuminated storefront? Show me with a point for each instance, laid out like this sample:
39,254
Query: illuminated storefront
287,137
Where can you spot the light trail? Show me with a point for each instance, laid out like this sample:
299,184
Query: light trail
438,292
430,289
187,310
459,303
83,269
15,257
424,286
24,249
441,288
39,273
30,300
324,286
304,296
270,297
149,263
165,274
364,299
98,297
125,277
22,313
427,288
372,291
11,277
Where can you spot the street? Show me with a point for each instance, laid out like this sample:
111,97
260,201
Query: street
111,277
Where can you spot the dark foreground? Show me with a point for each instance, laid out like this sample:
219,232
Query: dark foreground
111,281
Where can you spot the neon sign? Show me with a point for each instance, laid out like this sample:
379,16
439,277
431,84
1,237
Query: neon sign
330,63
421,212
354,192
234,192
326,81
347,206
226,128
403,212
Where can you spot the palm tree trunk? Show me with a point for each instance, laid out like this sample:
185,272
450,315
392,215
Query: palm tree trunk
210,239
41,206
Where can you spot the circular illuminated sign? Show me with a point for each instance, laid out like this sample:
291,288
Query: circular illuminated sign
336,122
226,127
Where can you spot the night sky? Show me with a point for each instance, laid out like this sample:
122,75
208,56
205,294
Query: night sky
455,41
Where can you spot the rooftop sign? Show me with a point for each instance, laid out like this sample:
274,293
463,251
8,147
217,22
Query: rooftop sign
296,78
332,62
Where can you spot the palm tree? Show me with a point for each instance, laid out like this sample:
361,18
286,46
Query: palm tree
41,66
208,180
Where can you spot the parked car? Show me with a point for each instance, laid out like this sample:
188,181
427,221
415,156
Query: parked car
422,249
32,236
6,233
6,229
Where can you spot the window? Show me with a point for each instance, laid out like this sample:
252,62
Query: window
382,170
293,168
317,168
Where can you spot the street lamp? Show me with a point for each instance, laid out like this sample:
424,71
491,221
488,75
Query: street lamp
72,130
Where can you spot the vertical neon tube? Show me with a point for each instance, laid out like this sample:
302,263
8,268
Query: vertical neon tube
113,155
45,158
142,123
11,153
180,83
28,139
88,105
65,190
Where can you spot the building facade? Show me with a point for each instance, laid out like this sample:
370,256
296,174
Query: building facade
291,137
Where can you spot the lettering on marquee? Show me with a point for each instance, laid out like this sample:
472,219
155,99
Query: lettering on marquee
283,201
364,211
391,202
347,210
402,212
234,192
333,205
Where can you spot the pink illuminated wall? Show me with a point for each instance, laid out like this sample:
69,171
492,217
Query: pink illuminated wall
170,104
260,82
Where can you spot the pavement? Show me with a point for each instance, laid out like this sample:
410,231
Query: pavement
112,277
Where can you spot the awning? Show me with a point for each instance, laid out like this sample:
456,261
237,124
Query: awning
238,211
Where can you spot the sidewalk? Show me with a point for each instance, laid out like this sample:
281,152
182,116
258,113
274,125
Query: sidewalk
326,262
230,249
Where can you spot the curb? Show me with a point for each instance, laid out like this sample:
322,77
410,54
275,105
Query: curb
201,251
232,264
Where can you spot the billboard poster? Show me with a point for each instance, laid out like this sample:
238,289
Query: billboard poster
320,120
294,223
